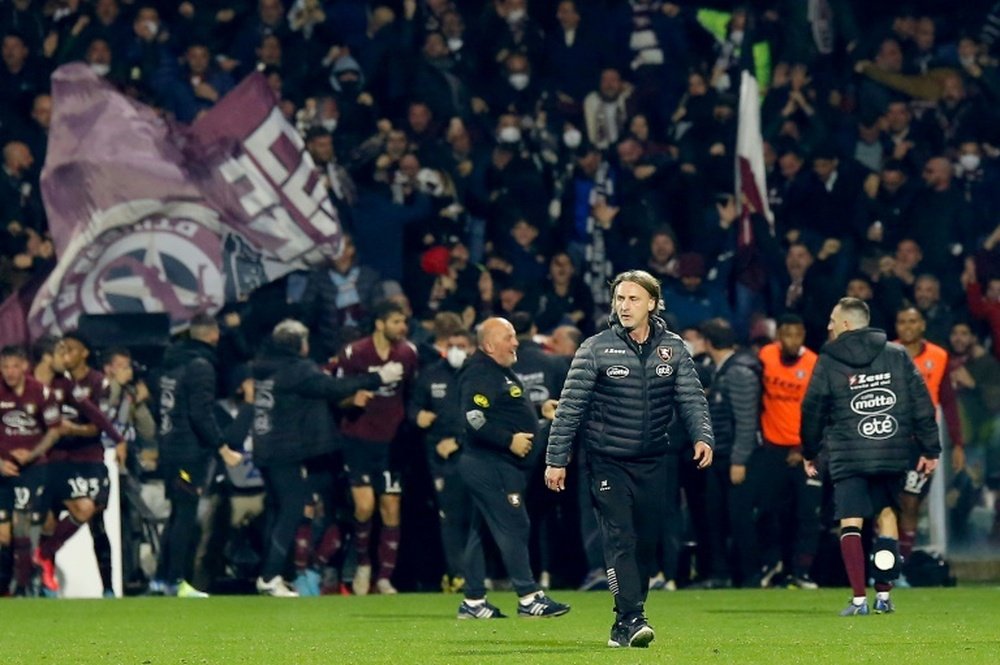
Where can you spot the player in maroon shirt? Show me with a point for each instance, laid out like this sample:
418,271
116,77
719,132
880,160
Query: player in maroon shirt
368,432
28,417
77,476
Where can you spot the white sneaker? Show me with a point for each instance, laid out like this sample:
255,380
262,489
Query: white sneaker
276,587
362,582
385,587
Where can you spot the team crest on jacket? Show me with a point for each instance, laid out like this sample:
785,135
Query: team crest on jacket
664,370
481,400
665,353
514,499
515,391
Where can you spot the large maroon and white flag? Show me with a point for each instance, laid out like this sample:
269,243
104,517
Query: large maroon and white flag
148,216
751,184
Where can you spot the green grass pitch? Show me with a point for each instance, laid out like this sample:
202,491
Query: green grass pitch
958,626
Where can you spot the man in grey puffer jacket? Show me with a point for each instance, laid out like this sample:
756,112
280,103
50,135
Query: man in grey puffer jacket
621,393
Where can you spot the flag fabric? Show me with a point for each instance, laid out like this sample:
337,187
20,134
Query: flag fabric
151,216
751,183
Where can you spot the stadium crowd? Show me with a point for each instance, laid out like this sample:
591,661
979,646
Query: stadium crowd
506,159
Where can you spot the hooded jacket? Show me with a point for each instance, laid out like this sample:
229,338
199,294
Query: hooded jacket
188,429
868,405
624,405
292,399
734,403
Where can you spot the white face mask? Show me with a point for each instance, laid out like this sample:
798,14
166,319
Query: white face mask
454,44
572,138
100,68
736,36
515,15
969,162
519,81
330,124
510,135
456,356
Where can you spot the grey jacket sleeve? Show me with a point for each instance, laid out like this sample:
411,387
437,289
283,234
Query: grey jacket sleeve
745,401
691,403
573,402
815,410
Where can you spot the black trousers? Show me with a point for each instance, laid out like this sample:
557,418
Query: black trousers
789,509
454,511
731,523
184,483
630,497
590,530
497,490
287,492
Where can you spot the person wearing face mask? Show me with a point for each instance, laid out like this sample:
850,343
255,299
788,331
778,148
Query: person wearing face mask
978,179
518,92
434,408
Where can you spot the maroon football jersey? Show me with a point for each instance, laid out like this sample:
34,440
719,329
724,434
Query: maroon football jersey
25,417
79,401
380,419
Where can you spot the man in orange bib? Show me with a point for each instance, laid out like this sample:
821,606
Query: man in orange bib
788,498
932,362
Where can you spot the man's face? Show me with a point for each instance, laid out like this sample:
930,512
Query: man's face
198,59
501,345
860,289
993,290
897,117
460,342
321,149
15,53
937,172
798,260
824,167
567,15
611,84
119,369
892,180
926,293
74,354
961,339
106,11
953,90
435,47
908,254
393,327
561,268
41,111
270,51
696,341
633,305
790,165
271,11
910,326
98,53
13,370
419,118
890,56
791,336
58,366
662,247
838,323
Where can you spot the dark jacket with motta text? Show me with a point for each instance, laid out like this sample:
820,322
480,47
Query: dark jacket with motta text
624,403
188,429
292,399
734,402
496,407
868,405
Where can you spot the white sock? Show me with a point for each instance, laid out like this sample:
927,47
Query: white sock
859,600
475,603
526,600
882,595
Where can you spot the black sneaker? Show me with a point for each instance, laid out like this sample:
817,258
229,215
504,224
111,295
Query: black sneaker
639,633
541,606
481,611
619,636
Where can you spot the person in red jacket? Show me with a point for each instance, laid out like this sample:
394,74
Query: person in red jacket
984,304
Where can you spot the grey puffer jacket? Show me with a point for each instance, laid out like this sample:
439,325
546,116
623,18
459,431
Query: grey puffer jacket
624,405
